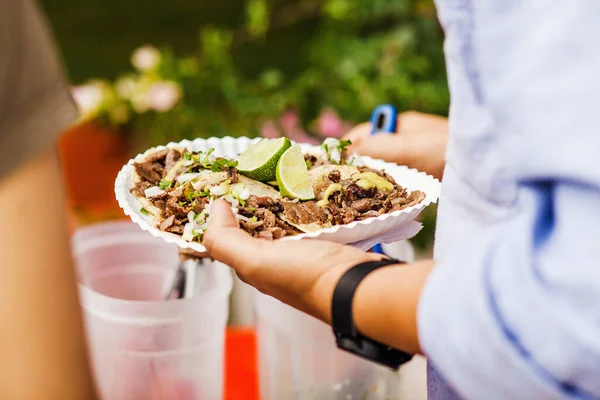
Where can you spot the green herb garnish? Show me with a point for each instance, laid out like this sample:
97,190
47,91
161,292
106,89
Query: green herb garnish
164,184
222,163
251,209
187,156
343,145
198,235
191,195
206,160
144,211
253,219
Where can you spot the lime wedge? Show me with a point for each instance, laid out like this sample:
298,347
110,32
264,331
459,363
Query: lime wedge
259,161
292,175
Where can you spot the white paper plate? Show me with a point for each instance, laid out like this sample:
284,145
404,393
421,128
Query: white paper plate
229,147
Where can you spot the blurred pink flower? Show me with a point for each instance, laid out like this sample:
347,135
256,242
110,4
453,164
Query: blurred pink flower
301,136
292,128
290,122
269,130
164,95
329,124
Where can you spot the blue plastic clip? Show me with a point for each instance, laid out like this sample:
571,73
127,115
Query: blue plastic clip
383,119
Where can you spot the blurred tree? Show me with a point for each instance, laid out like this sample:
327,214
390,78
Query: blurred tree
257,58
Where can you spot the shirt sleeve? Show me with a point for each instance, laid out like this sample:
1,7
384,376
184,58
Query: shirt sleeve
514,312
35,102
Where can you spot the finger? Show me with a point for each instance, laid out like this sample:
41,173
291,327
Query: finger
357,134
226,242
388,147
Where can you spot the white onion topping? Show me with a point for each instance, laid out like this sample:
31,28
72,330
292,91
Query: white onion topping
187,177
217,191
153,191
185,163
245,194
188,231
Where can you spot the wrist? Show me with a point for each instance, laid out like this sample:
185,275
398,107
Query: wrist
321,294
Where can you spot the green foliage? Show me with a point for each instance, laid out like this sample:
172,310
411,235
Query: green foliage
362,53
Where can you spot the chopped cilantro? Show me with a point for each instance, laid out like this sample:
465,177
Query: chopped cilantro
144,211
182,204
187,156
191,195
222,163
251,209
206,160
253,219
344,145
164,184
198,235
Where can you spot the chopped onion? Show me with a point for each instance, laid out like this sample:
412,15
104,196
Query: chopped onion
245,195
217,191
188,231
234,210
335,155
243,218
331,142
200,217
153,191
185,163
187,177
232,200
191,216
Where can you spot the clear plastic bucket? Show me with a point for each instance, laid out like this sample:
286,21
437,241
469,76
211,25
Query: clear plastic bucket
299,360
143,347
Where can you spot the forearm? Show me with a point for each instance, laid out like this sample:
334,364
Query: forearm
42,341
385,303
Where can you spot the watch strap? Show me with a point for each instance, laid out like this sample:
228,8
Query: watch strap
342,320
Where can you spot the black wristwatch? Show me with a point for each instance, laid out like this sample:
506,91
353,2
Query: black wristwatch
347,337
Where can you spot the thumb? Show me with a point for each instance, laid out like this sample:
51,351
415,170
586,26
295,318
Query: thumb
226,241
221,216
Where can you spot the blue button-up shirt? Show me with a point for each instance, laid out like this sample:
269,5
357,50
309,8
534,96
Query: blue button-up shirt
512,310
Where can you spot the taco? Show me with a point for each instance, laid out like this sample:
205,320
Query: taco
346,193
177,187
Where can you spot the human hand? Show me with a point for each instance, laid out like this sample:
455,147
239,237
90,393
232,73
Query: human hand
300,273
419,142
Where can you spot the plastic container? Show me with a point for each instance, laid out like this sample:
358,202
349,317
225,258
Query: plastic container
298,359
142,347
